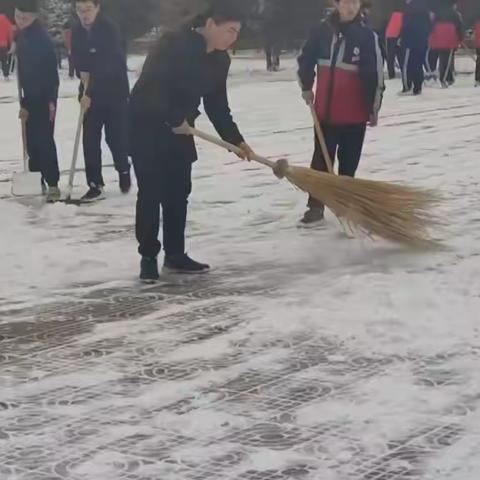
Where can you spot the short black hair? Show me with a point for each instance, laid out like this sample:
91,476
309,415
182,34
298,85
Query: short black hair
95,2
27,6
221,11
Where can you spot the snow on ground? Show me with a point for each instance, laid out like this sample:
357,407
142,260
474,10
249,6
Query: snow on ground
303,355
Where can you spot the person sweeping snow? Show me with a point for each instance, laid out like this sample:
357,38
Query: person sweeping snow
184,68
346,55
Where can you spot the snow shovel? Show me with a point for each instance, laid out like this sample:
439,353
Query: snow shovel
25,183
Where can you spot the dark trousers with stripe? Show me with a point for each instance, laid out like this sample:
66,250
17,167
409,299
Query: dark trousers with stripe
394,54
432,62
5,62
41,147
114,117
344,142
413,74
477,72
447,66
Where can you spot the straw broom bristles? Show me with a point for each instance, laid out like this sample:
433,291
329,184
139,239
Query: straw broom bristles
391,211
398,213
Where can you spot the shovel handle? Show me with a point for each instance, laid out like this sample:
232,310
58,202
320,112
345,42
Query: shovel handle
321,140
230,147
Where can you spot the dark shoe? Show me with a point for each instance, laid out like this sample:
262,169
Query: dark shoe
53,194
125,182
94,193
417,91
149,270
313,215
184,264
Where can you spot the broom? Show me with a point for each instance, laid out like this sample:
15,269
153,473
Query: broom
394,212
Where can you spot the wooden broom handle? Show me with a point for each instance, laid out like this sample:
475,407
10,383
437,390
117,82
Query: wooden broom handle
230,147
321,139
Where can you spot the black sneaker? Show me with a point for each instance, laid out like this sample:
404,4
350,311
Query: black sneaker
94,193
184,264
417,91
149,270
125,182
313,215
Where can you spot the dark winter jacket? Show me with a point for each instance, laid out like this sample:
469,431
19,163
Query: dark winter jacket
178,74
448,30
37,65
417,26
347,60
99,51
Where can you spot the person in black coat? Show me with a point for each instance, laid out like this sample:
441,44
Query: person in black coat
185,67
38,82
100,59
417,26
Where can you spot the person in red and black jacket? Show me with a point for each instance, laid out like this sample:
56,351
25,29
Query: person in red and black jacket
345,56
392,36
448,32
5,41
477,45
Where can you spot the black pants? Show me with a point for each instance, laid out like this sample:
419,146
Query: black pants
477,71
344,141
114,117
71,67
432,61
413,74
394,53
163,166
5,61
41,147
447,65
272,52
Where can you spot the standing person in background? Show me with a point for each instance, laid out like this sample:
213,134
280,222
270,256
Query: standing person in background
344,54
100,60
392,35
414,40
448,32
5,44
477,46
67,39
38,81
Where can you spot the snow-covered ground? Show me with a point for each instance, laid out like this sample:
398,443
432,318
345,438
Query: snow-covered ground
304,355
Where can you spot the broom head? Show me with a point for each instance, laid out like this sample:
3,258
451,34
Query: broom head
395,212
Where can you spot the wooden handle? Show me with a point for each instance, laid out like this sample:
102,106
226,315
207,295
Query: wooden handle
321,139
230,147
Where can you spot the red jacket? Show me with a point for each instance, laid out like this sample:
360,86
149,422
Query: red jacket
395,25
5,31
477,34
444,36
349,70
67,36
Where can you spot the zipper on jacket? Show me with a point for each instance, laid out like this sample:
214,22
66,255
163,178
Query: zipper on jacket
331,84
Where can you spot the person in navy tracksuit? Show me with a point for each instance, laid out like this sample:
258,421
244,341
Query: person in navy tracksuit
345,56
98,55
414,40
447,34
38,82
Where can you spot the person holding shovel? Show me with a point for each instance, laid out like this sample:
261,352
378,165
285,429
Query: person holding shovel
100,60
185,67
345,56
38,85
